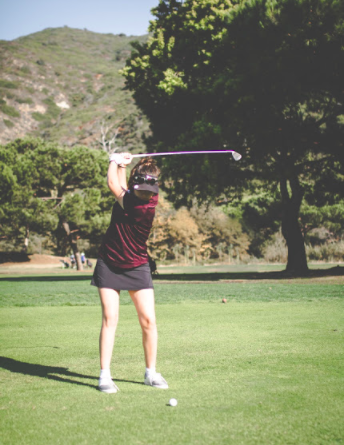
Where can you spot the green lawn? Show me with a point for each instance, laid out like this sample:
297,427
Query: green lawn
265,368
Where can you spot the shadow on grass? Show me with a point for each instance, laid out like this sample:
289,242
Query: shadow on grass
206,276
243,276
49,372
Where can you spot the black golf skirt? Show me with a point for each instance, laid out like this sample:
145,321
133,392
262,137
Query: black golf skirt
116,278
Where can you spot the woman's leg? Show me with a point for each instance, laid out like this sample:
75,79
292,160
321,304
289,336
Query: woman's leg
145,306
110,309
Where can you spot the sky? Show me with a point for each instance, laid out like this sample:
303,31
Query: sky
22,17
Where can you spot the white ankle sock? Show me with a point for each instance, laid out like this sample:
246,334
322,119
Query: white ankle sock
105,374
150,372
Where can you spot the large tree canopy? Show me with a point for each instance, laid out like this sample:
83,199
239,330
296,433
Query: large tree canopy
263,77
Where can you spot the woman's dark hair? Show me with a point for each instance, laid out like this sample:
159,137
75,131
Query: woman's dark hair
147,166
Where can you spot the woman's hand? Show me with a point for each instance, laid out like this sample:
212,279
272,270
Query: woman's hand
117,178
127,158
121,158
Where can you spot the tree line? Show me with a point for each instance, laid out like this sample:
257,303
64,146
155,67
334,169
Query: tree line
61,194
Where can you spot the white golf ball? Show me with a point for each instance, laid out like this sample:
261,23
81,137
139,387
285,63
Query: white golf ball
173,402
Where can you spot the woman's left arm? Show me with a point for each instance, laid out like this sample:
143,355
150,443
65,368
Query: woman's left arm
117,178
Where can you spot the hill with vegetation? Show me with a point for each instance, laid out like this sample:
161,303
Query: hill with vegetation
63,85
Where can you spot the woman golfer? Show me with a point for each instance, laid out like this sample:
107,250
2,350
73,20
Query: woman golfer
123,263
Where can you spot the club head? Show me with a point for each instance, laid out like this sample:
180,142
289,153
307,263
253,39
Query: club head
236,156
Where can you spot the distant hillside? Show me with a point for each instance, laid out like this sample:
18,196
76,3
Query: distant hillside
62,83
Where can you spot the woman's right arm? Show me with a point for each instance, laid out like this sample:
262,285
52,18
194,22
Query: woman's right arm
117,180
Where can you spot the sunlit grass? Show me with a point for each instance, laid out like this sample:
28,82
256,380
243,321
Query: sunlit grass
243,373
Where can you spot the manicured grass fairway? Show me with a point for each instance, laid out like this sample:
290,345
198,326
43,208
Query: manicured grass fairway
265,368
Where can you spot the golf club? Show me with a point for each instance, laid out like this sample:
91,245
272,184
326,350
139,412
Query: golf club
236,156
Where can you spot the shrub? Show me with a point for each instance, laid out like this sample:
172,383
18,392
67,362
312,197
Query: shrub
223,233
27,100
202,234
10,111
8,84
39,116
53,110
183,228
8,94
332,251
276,250
8,123
25,70
77,99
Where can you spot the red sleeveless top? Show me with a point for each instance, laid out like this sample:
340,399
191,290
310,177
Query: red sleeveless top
125,242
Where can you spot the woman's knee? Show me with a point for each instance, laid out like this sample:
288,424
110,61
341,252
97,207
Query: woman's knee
110,307
110,320
148,322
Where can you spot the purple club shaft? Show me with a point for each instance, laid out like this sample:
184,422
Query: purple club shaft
235,155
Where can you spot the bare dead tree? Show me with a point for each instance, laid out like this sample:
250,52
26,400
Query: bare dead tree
106,141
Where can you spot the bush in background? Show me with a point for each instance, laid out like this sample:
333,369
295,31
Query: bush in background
276,250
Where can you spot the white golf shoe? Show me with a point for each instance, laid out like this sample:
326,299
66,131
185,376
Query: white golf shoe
108,386
156,380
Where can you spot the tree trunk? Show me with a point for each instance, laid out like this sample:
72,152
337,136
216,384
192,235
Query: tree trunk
26,241
72,238
291,230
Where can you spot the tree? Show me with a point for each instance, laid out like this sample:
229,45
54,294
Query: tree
183,229
259,211
20,210
263,77
126,134
159,243
54,190
219,230
108,137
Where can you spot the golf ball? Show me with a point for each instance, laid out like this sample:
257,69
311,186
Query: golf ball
173,402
